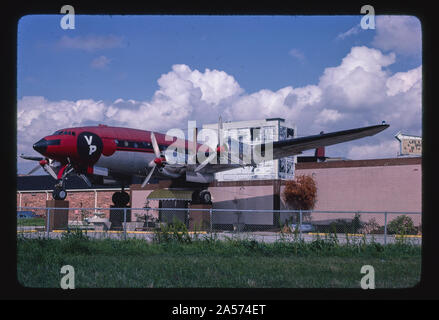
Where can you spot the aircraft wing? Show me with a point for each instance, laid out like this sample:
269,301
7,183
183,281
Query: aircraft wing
295,146
285,148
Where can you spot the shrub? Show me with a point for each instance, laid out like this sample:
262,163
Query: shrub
372,227
301,193
342,226
175,232
401,225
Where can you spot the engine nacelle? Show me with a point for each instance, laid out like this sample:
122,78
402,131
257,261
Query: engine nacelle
170,172
99,171
200,178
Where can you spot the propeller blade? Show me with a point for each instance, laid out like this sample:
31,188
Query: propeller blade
49,170
34,169
85,179
149,175
155,145
205,162
31,158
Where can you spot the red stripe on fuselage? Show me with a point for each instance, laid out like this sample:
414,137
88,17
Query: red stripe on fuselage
135,150
135,135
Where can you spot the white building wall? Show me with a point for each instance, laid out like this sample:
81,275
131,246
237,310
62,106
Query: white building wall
270,130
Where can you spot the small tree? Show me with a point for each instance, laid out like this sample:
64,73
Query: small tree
301,194
401,225
372,227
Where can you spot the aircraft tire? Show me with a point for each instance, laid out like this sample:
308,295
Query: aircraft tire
120,199
205,197
59,193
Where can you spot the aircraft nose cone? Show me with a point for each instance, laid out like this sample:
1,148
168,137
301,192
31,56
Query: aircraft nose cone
40,146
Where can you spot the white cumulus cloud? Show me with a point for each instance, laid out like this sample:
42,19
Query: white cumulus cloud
359,91
402,34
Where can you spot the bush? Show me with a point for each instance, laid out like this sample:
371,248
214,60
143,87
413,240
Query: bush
372,227
175,232
342,226
301,194
401,225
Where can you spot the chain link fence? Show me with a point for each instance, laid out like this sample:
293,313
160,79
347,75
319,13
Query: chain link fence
262,225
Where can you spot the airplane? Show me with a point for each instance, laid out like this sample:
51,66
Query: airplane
106,154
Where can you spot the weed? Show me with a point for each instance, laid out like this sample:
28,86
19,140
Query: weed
175,232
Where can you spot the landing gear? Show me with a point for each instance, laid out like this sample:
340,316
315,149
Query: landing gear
204,197
120,199
59,193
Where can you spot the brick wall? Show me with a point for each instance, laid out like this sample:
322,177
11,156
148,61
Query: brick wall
84,199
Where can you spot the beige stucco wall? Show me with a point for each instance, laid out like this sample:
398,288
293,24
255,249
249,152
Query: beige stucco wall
379,188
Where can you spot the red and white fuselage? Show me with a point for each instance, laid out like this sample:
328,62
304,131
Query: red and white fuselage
104,150
122,153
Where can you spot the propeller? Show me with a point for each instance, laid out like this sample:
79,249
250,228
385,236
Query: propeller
43,163
86,180
31,158
33,170
158,161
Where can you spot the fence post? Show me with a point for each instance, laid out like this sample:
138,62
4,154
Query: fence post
48,223
300,224
125,223
385,227
210,219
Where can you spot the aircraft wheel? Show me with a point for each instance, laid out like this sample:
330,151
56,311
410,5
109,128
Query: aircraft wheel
205,197
59,193
120,199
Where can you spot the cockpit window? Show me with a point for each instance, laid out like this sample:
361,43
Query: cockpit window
61,132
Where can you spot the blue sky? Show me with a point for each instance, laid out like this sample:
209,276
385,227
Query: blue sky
243,46
249,58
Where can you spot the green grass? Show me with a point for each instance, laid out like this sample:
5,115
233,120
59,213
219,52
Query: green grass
31,222
109,263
